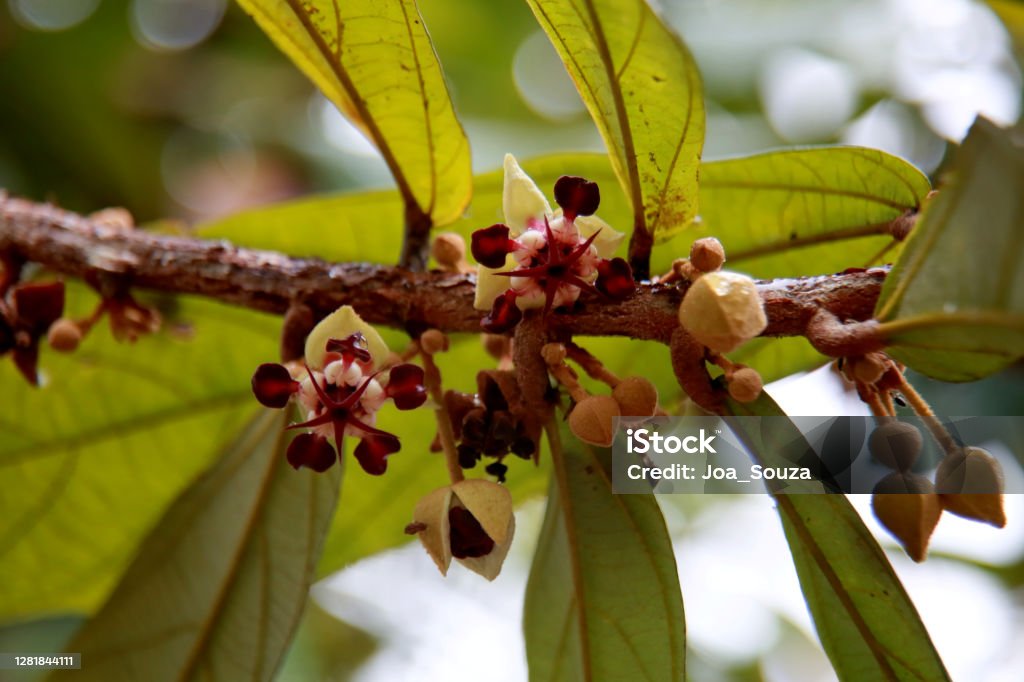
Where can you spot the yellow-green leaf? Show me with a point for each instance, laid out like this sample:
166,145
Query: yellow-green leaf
218,586
805,211
953,306
90,460
603,599
867,624
375,61
643,91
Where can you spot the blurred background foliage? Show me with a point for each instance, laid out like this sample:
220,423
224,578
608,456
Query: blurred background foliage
183,109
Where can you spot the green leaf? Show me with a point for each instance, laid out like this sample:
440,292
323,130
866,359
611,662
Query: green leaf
953,306
867,623
643,91
375,61
91,460
827,208
603,599
218,586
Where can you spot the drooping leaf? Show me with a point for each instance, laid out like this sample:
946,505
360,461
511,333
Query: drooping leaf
867,624
91,459
218,586
375,61
827,208
643,91
603,599
953,306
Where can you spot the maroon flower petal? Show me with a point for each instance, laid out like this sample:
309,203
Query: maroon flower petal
312,451
504,314
468,538
26,359
351,348
38,305
273,385
372,452
577,196
491,244
615,278
405,386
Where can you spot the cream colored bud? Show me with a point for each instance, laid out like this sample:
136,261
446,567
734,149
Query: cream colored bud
721,310
449,250
707,254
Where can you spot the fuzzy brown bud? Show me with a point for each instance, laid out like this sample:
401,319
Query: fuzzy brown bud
553,353
896,445
707,254
591,420
906,504
745,385
64,335
970,484
433,341
449,250
866,369
496,345
636,396
721,310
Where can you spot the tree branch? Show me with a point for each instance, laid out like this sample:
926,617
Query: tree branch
77,246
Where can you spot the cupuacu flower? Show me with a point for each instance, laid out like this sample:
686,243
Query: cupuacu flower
25,316
543,259
340,386
470,521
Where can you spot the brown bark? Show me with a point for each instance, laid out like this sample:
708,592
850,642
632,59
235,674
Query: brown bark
113,257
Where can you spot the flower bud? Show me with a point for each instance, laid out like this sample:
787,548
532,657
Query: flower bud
636,396
866,369
707,254
906,504
896,445
970,484
721,310
64,335
449,250
471,521
745,385
433,341
591,420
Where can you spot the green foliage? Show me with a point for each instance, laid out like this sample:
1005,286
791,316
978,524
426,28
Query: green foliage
643,91
777,212
867,623
217,588
953,307
603,600
92,459
375,61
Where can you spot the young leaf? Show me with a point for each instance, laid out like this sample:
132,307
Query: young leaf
953,306
217,588
867,623
603,599
779,211
95,455
375,61
643,91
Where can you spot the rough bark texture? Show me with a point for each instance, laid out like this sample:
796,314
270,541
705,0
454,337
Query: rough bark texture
108,256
